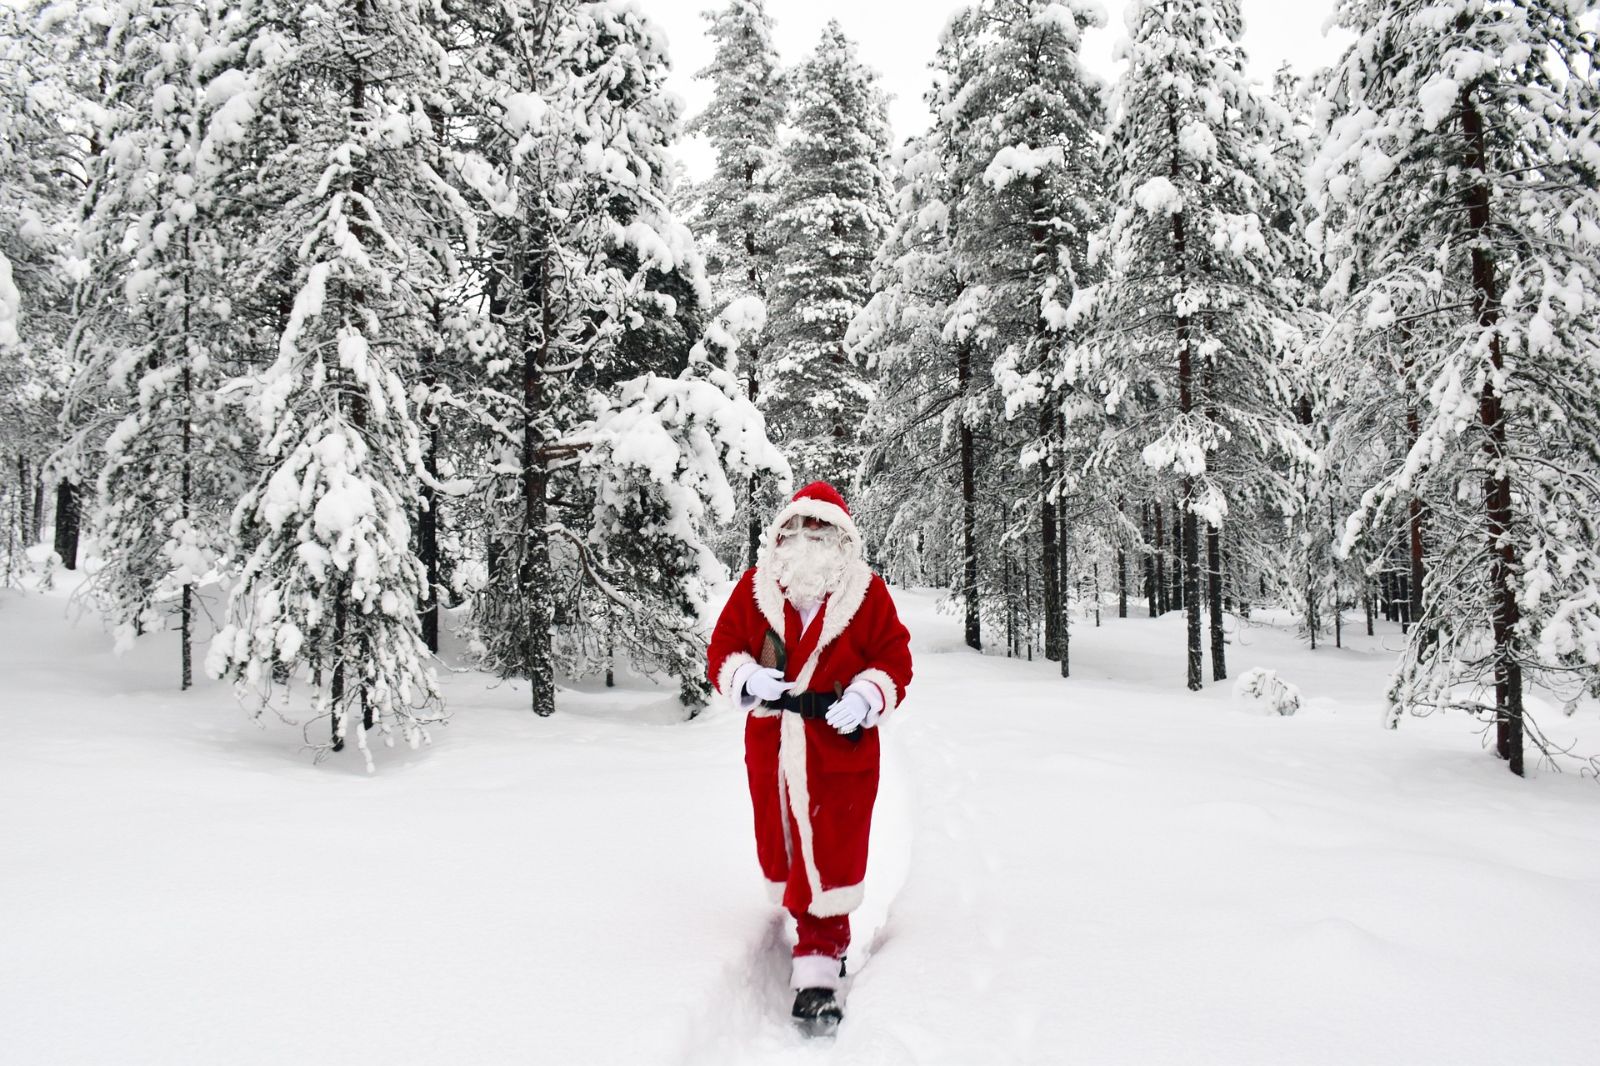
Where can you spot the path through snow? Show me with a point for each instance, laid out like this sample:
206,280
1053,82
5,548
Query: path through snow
1101,870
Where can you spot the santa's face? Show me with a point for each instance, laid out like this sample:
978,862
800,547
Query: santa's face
810,559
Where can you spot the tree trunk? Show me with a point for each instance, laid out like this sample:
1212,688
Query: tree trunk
36,527
1027,598
336,687
1149,560
1191,590
1191,533
1122,583
428,536
1501,546
969,506
24,481
67,522
1097,595
1051,570
1011,607
1418,571
537,578
1219,662
1064,598
1175,573
753,499
186,496
1159,605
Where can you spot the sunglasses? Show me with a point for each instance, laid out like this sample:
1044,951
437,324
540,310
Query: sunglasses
799,522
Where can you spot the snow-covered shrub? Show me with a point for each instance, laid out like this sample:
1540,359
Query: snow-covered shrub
1264,692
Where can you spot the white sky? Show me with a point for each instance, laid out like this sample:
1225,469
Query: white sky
897,38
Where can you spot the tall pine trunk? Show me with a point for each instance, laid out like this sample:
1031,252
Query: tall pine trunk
24,483
752,380
969,506
1149,560
1219,662
186,492
1051,605
67,506
1418,573
1500,546
1122,583
428,533
1191,533
186,496
36,526
1159,605
1064,593
537,576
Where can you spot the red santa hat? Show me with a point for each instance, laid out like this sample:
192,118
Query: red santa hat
818,500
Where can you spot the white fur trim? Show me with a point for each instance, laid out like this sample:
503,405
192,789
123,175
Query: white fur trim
729,667
815,971
769,597
836,901
792,783
775,891
885,685
792,776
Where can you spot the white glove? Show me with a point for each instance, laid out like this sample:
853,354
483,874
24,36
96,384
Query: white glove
848,712
767,684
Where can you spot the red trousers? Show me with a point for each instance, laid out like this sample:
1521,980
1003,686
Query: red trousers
821,936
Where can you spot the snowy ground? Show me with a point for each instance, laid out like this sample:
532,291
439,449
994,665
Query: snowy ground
1093,871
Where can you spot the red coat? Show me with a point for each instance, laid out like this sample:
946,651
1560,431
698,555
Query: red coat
812,789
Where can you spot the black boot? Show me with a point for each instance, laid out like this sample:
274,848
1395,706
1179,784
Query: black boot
817,1011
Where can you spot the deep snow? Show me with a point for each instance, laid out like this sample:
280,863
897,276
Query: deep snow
1100,870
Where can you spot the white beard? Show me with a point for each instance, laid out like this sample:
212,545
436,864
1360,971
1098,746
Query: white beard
810,565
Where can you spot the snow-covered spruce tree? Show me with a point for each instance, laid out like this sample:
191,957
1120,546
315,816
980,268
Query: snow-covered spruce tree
40,160
64,78
919,464
991,229
330,585
583,255
664,459
1032,202
733,206
1460,186
154,316
829,217
1191,318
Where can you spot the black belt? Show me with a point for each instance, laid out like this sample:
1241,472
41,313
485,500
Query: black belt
812,705
805,704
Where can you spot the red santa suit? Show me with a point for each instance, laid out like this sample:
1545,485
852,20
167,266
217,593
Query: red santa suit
812,788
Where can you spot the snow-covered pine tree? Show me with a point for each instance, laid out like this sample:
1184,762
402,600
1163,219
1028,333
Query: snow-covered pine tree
1033,199
919,494
40,157
829,217
582,260
154,317
343,145
1192,312
65,78
991,229
664,459
733,205
1460,186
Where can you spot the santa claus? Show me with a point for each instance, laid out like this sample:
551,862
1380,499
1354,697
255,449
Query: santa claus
810,646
